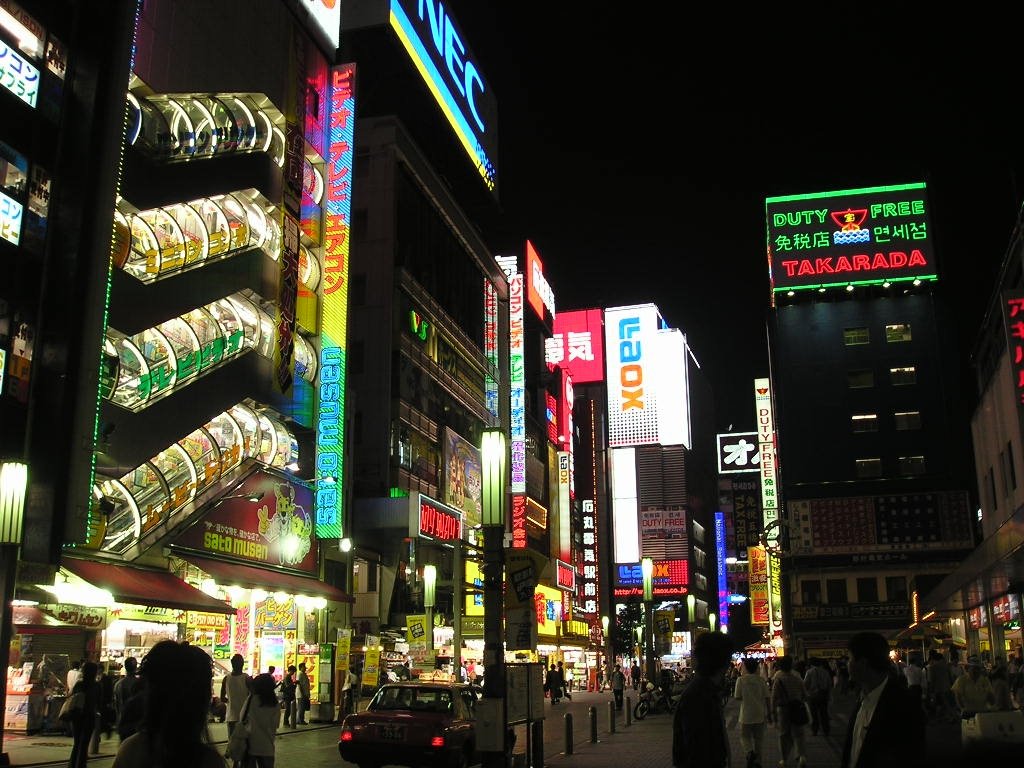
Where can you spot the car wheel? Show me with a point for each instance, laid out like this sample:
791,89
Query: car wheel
641,709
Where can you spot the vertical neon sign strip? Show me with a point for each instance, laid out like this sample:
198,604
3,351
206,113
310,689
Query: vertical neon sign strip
491,345
517,378
723,589
330,425
769,497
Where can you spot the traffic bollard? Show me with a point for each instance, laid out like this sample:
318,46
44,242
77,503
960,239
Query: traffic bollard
537,741
568,732
629,711
592,712
611,717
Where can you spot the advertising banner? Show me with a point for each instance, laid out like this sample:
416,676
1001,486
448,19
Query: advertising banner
371,662
664,623
416,632
1013,322
538,292
758,565
670,579
578,345
463,479
342,653
862,236
630,340
276,530
737,452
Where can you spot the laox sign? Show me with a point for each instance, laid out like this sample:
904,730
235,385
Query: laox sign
631,375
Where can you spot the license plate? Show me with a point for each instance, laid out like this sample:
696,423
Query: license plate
392,732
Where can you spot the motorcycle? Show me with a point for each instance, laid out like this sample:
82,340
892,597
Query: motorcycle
654,699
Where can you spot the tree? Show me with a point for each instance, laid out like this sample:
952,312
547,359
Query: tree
629,617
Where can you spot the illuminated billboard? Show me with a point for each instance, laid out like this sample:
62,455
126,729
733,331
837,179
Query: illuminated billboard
327,15
723,588
861,236
670,579
769,499
517,372
448,67
625,509
330,417
538,292
461,477
737,452
578,345
648,385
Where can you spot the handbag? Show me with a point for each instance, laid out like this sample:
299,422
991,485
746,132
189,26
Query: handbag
72,707
796,709
238,743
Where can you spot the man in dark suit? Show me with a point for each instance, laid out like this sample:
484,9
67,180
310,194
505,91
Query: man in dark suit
699,738
887,727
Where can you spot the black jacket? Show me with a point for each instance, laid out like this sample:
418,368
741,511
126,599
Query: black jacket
895,736
698,729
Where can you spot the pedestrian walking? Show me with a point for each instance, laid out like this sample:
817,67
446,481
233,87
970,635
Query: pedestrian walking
264,715
105,717
885,729
570,677
818,684
176,686
788,698
127,710
915,676
618,686
698,725
565,681
634,676
235,688
973,690
755,711
303,700
940,688
553,684
84,721
287,687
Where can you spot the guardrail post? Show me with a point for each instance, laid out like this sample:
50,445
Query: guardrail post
611,717
592,712
568,732
538,743
629,711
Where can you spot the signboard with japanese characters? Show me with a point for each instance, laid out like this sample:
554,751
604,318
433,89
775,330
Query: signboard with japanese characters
1013,319
586,603
578,345
737,452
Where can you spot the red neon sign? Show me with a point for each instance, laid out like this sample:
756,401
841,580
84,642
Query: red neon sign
438,523
519,521
565,576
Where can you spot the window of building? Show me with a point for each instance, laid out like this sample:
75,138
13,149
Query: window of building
906,420
864,422
836,590
702,581
992,488
862,379
896,588
902,376
867,589
810,591
911,465
869,468
1011,471
855,336
899,332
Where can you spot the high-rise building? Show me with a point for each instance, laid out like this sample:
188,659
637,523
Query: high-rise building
873,455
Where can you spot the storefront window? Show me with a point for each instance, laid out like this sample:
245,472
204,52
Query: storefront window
183,132
133,371
283,445
179,474
305,358
268,333
152,499
250,135
249,317
250,426
309,269
206,133
169,240
163,365
202,450
144,260
216,225
186,346
267,450
238,223
155,135
123,524
266,233
196,238
227,434
211,336
227,317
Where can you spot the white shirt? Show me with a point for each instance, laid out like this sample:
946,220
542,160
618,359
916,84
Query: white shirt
752,691
914,675
867,710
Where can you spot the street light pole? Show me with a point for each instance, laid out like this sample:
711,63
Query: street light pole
647,569
429,596
494,462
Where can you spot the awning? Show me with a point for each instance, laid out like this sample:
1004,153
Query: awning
144,586
229,573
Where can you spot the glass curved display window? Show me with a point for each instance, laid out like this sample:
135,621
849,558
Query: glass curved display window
202,449
238,222
230,322
161,361
121,242
152,498
204,125
132,370
185,343
305,358
267,442
227,434
123,525
170,242
283,445
264,231
179,476
309,269
193,231
249,423
249,315
110,369
218,232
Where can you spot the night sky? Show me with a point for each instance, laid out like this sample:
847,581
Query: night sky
636,149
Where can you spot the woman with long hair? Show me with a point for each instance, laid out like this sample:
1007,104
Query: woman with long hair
84,721
264,714
177,685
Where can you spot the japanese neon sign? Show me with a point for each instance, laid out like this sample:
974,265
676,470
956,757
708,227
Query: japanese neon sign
577,345
330,424
723,589
1013,318
860,236
18,76
439,522
588,573
517,373
518,521
538,291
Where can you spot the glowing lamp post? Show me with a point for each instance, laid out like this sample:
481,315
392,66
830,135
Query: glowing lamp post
647,569
494,463
429,595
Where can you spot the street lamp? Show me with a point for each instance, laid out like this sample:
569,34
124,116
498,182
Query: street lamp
494,463
711,621
647,569
429,593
